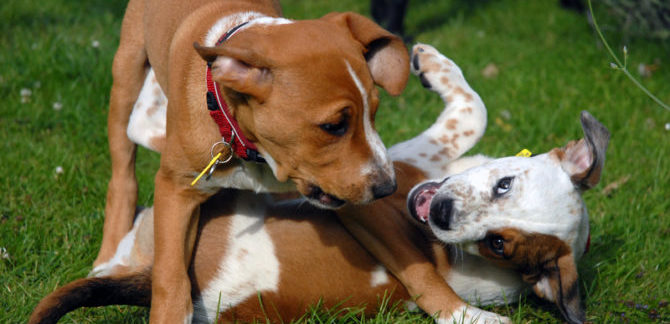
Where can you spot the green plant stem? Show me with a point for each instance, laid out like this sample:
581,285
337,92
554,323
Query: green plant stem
622,67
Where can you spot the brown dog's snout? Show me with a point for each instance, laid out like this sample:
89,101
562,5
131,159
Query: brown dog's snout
384,188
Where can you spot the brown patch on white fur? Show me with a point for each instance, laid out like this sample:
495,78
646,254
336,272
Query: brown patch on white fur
154,108
544,261
466,95
429,64
451,123
445,81
465,110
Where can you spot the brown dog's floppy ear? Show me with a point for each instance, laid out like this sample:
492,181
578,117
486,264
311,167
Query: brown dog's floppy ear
584,160
558,283
239,69
385,53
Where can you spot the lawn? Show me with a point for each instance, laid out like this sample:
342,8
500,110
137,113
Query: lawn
55,59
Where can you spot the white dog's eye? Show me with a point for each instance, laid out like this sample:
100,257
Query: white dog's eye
503,186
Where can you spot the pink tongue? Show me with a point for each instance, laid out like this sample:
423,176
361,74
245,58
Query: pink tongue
422,204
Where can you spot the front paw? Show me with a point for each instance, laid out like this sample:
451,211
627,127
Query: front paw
473,315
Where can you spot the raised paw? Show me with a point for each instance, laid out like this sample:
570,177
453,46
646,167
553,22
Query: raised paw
473,315
436,71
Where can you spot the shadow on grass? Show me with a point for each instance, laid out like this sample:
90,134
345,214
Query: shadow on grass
441,13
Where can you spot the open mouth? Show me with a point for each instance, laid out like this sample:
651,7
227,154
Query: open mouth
420,199
320,198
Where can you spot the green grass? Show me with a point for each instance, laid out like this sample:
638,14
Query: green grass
551,67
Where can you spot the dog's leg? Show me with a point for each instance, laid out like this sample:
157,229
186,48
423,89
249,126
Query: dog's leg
404,251
128,72
176,213
458,128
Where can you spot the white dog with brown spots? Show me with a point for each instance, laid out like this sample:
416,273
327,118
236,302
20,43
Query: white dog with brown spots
485,232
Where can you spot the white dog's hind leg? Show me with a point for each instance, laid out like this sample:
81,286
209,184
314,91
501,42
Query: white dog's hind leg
458,128
146,126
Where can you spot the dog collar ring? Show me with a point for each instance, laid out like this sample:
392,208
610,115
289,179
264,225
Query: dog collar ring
217,159
211,166
226,145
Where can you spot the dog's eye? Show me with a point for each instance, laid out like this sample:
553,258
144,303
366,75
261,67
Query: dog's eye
336,129
497,244
503,186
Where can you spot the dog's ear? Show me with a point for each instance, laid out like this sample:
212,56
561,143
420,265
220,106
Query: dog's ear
583,160
558,283
386,54
239,69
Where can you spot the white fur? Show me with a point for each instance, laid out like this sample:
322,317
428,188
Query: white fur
379,276
249,265
227,23
380,156
149,115
479,282
247,176
472,315
545,287
188,319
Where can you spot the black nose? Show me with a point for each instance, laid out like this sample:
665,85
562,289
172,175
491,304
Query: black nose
384,189
440,212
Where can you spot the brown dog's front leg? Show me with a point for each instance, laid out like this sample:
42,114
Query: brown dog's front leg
383,231
176,211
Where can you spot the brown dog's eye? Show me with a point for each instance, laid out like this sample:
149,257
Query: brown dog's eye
497,244
336,129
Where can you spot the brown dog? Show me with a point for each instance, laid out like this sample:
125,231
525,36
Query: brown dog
298,95
257,259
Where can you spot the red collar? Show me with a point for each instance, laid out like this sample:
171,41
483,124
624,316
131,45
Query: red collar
218,109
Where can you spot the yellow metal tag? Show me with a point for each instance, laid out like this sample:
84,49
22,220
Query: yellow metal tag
210,165
524,153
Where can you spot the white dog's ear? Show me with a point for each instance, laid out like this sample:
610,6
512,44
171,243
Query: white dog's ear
558,283
583,160
240,69
385,53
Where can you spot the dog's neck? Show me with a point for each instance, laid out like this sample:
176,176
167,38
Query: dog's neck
243,174
476,279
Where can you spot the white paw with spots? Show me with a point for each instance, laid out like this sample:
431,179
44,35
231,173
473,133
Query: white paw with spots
458,128
473,315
